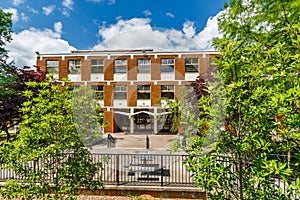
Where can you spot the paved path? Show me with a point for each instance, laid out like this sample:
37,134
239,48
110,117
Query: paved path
136,143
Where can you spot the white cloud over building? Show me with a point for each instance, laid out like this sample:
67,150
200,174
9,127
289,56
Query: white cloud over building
135,33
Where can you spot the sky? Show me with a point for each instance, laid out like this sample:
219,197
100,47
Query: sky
60,26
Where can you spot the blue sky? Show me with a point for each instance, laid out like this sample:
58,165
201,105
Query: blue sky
51,26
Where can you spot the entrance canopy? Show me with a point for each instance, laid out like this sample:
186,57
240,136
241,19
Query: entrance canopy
139,112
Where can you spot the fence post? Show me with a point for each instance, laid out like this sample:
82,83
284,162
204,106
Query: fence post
161,171
147,142
117,169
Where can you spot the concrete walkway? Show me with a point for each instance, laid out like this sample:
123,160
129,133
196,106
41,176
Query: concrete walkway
136,143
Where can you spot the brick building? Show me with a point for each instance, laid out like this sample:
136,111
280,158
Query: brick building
132,86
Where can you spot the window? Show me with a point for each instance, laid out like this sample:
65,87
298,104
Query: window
99,92
191,65
97,66
143,92
120,92
144,65
52,66
74,66
120,66
167,91
213,68
167,65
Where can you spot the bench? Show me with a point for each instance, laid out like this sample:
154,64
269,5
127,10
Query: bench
159,172
148,179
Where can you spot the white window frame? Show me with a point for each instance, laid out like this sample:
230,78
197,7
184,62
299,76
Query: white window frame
120,64
52,66
120,89
192,65
96,66
144,65
144,89
168,89
167,63
74,66
99,91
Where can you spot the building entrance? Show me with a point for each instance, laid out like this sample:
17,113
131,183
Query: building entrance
135,120
143,122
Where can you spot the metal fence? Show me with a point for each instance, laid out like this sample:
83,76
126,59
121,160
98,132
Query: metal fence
144,169
132,169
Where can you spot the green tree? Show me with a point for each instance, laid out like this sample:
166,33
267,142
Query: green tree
259,71
88,115
48,154
12,85
5,30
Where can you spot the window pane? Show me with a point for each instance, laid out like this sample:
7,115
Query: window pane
97,69
191,68
166,68
97,62
143,95
144,88
167,87
52,63
120,69
144,69
169,61
167,95
74,66
52,66
143,61
120,95
120,62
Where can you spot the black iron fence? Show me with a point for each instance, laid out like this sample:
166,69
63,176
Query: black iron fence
142,169
130,169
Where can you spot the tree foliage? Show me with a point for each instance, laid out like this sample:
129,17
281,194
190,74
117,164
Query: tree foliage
5,30
48,154
88,115
12,85
259,70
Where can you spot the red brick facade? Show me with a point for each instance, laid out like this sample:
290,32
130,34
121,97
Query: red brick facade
180,77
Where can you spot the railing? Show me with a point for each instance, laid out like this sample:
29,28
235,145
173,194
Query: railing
132,169
142,169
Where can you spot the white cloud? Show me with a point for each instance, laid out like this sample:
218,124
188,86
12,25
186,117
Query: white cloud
147,12
68,4
138,33
66,12
125,34
32,10
18,2
111,2
204,38
58,27
170,15
96,0
48,10
189,29
14,13
24,17
24,45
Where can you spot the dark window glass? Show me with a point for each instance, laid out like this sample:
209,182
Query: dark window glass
191,65
143,92
97,66
167,65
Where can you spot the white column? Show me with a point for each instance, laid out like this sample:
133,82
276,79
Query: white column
155,122
131,121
